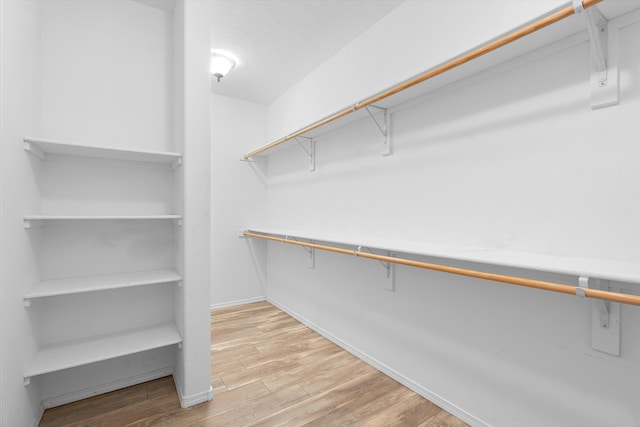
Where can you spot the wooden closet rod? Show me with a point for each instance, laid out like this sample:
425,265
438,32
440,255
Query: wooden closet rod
512,280
518,34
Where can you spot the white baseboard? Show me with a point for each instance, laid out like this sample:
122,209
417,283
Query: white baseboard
407,382
36,421
189,401
106,388
236,303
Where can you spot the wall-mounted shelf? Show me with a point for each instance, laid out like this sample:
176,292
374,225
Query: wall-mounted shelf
626,272
507,46
592,277
31,220
49,288
66,355
41,147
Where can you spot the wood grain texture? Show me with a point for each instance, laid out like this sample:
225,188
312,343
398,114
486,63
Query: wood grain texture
267,370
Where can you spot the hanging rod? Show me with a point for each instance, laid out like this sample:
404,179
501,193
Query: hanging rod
512,280
474,54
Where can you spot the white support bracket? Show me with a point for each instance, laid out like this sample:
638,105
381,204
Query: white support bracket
310,251
605,318
604,62
388,266
311,152
31,148
28,223
26,381
312,257
384,127
177,162
254,159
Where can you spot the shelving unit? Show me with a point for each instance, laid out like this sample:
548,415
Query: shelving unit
66,355
71,353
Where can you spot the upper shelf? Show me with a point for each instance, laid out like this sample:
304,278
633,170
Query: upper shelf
41,147
30,220
526,38
626,272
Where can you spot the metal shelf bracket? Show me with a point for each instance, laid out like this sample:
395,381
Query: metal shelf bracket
388,266
605,318
310,251
31,148
384,127
28,223
311,152
312,257
604,61
177,162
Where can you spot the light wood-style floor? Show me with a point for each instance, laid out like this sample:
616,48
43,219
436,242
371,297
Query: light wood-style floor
267,370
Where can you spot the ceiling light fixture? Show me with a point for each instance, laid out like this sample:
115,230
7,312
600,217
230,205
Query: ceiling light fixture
222,62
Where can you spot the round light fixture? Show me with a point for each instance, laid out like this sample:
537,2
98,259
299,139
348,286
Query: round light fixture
222,62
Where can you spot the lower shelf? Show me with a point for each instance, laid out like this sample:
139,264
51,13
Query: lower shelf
71,354
621,271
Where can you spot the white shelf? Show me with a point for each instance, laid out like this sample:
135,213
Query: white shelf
30,220
82,352
49,288
620,271
41,147
572,27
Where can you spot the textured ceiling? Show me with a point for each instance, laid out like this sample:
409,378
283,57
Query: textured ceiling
279,42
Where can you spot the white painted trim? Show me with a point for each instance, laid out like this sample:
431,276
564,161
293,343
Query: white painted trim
38,418
407,382
194,399
237,302
106,388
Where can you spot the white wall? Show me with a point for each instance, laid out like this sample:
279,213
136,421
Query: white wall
107,74
192,373
512,159
19,113
238,192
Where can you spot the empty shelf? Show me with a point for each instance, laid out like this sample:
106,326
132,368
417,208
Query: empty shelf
628,272
48,288
40,147
29,220
71,354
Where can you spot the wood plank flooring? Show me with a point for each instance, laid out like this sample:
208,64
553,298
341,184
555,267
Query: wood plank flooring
267,370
